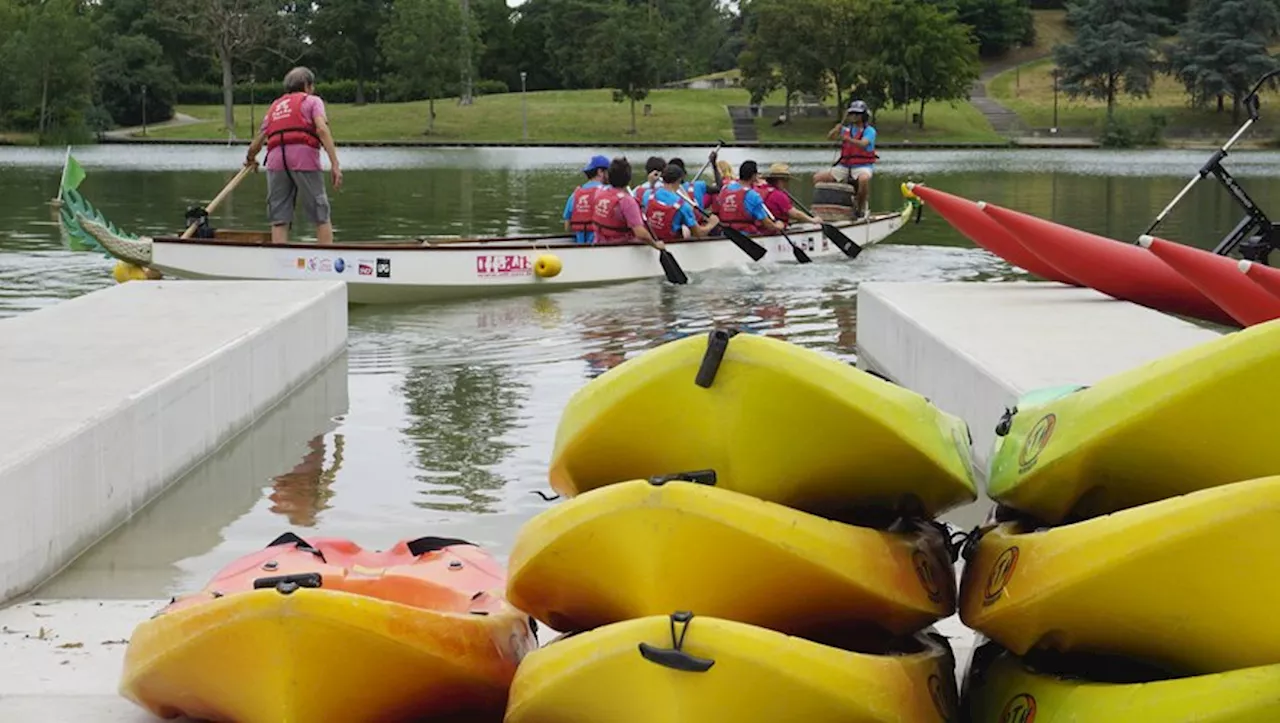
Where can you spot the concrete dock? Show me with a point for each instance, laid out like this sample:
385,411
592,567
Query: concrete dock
973,349
116,394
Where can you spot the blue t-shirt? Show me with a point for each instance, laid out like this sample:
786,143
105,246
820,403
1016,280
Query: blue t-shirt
684,216
868,134
582,237
696,191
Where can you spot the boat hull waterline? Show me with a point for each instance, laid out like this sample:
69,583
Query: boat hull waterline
401,273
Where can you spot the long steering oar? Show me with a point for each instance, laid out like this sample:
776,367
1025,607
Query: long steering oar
837,237
235,181
801,256
739,239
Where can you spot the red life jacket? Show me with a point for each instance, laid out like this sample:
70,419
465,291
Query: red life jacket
285,124
660,216
852,154
639,192
606,216
766,190
733,209
583,206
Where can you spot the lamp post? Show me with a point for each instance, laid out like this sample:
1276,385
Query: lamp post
1056,73
144,110
253,80
524,106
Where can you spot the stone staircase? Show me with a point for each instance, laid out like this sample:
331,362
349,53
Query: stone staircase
1002,120
744,124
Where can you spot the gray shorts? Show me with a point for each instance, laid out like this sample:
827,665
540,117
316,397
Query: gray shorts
306,187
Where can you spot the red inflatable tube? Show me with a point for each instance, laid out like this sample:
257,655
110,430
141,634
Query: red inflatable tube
1217,277
1119,270
969,220
1262,275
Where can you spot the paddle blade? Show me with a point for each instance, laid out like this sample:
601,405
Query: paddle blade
800,255
671,268
742,241
842,242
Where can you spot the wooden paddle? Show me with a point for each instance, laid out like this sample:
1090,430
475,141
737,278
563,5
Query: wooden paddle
226,190
842,242
719,145
739,239
799,253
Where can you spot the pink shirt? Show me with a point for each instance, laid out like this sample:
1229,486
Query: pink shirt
300,157
777,202
631,211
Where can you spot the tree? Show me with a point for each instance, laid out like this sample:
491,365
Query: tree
347,31
840,38
1223,49
997,24
928,55
423,46
47,74
125,64
780,49
1114,49
625,45
230,30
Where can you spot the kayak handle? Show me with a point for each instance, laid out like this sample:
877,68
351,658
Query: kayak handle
675,658
286,584
701,477
717,344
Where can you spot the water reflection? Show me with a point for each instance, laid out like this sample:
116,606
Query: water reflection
304,491
458,416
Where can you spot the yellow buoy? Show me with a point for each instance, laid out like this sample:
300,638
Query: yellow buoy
125,271
547,266
907,193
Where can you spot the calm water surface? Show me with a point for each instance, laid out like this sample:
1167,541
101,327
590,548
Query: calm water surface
440,418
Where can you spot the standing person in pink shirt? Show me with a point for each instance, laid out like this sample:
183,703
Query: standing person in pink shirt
294,128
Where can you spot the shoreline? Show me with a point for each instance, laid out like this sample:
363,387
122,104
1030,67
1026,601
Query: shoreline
1066,143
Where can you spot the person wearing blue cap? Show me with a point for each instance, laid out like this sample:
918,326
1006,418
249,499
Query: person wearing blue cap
581,203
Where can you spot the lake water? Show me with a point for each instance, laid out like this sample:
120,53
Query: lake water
440,418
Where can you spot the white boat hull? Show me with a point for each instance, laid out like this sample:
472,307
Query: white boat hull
382,274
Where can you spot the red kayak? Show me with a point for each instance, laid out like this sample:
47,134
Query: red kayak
1119,270
1219,278
969,220
1264,276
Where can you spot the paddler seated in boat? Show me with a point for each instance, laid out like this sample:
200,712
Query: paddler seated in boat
617,217
697,189
774,191
580,204
652,179
857,153
294,128
740,206
671,217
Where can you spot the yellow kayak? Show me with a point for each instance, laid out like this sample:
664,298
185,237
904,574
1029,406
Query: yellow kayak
1002,689
323,630
1188,584
770,419
1191,420
636,549
679,670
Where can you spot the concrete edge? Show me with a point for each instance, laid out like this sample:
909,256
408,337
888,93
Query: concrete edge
130,504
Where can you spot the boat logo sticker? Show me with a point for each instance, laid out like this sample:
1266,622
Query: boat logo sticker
383,268
1037,439
943,696
1021,708
928,575
504,265
999,577
365,268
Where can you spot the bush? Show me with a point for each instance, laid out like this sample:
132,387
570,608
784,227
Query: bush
1116,133
1122,132
491,87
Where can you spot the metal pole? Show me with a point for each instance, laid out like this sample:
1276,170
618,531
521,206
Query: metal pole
253,80
144,110
1055,99
524,106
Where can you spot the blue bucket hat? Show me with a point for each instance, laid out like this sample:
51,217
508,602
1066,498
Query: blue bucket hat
596,162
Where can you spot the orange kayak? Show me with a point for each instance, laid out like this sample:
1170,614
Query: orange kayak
324,630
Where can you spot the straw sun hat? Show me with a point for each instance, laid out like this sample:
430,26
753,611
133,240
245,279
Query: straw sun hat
778,170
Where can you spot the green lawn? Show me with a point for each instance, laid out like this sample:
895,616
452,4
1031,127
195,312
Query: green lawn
1028,91
17,139
583,116
942,122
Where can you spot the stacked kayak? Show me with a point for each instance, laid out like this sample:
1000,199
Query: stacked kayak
1130,568
310,630
747,536
1155,273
